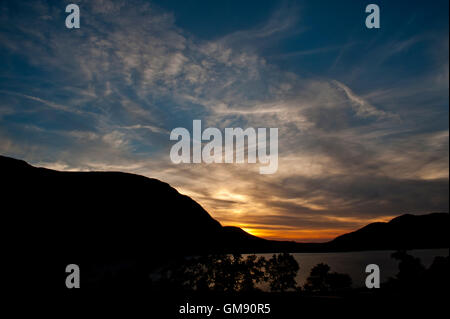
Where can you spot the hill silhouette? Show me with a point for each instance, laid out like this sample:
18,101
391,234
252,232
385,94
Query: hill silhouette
403,232
104,214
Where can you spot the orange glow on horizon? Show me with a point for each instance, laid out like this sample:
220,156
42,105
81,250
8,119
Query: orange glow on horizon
300,235
305,235
235,215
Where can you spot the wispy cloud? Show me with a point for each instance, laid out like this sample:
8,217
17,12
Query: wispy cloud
106,96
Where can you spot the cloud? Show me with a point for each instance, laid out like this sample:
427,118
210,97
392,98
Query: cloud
50,104
106,96
362,107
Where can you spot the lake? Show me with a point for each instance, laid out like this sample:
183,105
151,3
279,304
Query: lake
354,263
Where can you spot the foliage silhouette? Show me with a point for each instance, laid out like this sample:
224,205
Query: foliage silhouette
410,267
232,273
321,281
414,278
282,270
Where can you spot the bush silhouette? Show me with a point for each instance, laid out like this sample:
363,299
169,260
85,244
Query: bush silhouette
410,267
322,281
413,277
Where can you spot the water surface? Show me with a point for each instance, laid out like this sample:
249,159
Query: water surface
354,263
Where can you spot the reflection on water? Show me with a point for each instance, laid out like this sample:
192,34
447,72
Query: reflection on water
354,263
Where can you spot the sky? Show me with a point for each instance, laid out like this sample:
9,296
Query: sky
362,113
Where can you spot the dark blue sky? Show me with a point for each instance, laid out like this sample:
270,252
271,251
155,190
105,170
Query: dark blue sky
362,113
322,30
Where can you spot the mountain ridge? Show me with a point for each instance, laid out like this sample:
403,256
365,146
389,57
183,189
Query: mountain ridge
107,213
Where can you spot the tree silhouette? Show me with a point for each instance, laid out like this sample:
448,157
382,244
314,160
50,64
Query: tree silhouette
253,272
322,281
410,267
231,273
281,271
220,273
413,277
338,282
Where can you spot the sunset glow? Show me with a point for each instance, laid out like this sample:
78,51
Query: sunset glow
362,126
